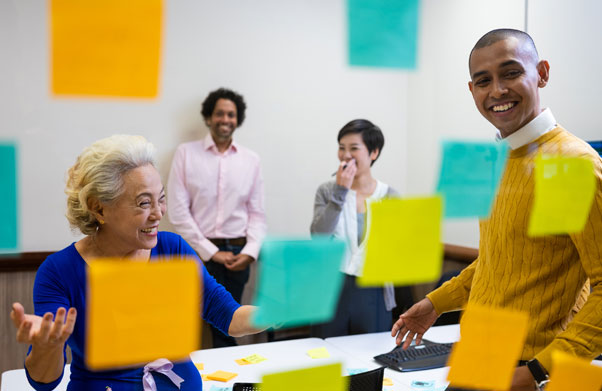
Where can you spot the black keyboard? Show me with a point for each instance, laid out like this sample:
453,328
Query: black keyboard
427,355
245,387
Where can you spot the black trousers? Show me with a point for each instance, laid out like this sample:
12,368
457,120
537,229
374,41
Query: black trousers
359,311
234,282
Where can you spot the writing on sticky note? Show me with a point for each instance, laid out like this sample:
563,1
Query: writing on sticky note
125,310
241,361
324,378
470,175
222,376
383,33
105,47
8,198
254,358
321,352
403,242
564,192
299,281
488,350
573,373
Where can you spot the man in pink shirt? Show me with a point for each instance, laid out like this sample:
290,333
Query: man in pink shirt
215,197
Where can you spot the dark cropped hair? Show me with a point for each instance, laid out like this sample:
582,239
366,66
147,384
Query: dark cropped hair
371,135
224,93
501,34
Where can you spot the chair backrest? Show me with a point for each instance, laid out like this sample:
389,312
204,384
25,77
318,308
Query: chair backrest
367,381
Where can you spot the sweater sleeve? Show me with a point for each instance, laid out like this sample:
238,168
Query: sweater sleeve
583,335
218,304
327,208
48,296
453,294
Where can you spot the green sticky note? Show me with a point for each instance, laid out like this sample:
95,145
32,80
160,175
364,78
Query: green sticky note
564,192
383,33
324,378
299,281
469,176
9,239
404,242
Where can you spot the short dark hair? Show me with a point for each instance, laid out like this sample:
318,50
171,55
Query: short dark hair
372,136
499,35
224,93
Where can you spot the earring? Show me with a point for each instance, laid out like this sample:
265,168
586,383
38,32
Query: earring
101,221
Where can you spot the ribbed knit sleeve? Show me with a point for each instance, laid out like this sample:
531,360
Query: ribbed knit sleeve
453,294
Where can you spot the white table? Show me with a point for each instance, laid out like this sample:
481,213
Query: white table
281,356
15,380
366,346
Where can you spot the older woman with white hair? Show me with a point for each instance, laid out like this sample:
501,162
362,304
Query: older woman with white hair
115,197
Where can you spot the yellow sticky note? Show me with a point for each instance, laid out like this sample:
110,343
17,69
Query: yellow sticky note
199,366
105,47
130,303
318,353
491,342
564,192
325,378
254,359
573,373
205,377
404,242
222,376
387,382
241,361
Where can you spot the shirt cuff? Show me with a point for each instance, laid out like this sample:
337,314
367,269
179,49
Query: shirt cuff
251,249
207,250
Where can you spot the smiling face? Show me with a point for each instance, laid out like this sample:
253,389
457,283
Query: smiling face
223,120
506,76
131,221
351,146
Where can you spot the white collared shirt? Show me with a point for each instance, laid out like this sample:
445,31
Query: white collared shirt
538,126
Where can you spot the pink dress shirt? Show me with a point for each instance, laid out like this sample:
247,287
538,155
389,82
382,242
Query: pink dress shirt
216,195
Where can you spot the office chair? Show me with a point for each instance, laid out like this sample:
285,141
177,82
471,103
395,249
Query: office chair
367,381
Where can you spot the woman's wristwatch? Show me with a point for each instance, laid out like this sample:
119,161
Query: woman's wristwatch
539,374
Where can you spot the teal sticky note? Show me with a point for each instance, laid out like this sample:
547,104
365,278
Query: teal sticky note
8,198
383,33
299,281
470,175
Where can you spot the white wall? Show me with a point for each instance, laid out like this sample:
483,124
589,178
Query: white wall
440,105
288,58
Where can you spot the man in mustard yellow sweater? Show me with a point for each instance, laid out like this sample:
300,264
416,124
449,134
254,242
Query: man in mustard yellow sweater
544,276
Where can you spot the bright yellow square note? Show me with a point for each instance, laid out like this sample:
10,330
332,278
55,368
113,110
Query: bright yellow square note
105,47
139,311
404,242
491,342
325,378
573,373
318,353
564,192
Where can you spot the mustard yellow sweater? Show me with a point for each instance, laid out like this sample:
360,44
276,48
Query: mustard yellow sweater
544,276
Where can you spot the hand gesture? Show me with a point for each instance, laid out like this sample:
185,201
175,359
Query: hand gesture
42,333
223,257
414,322
346,173
240,262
